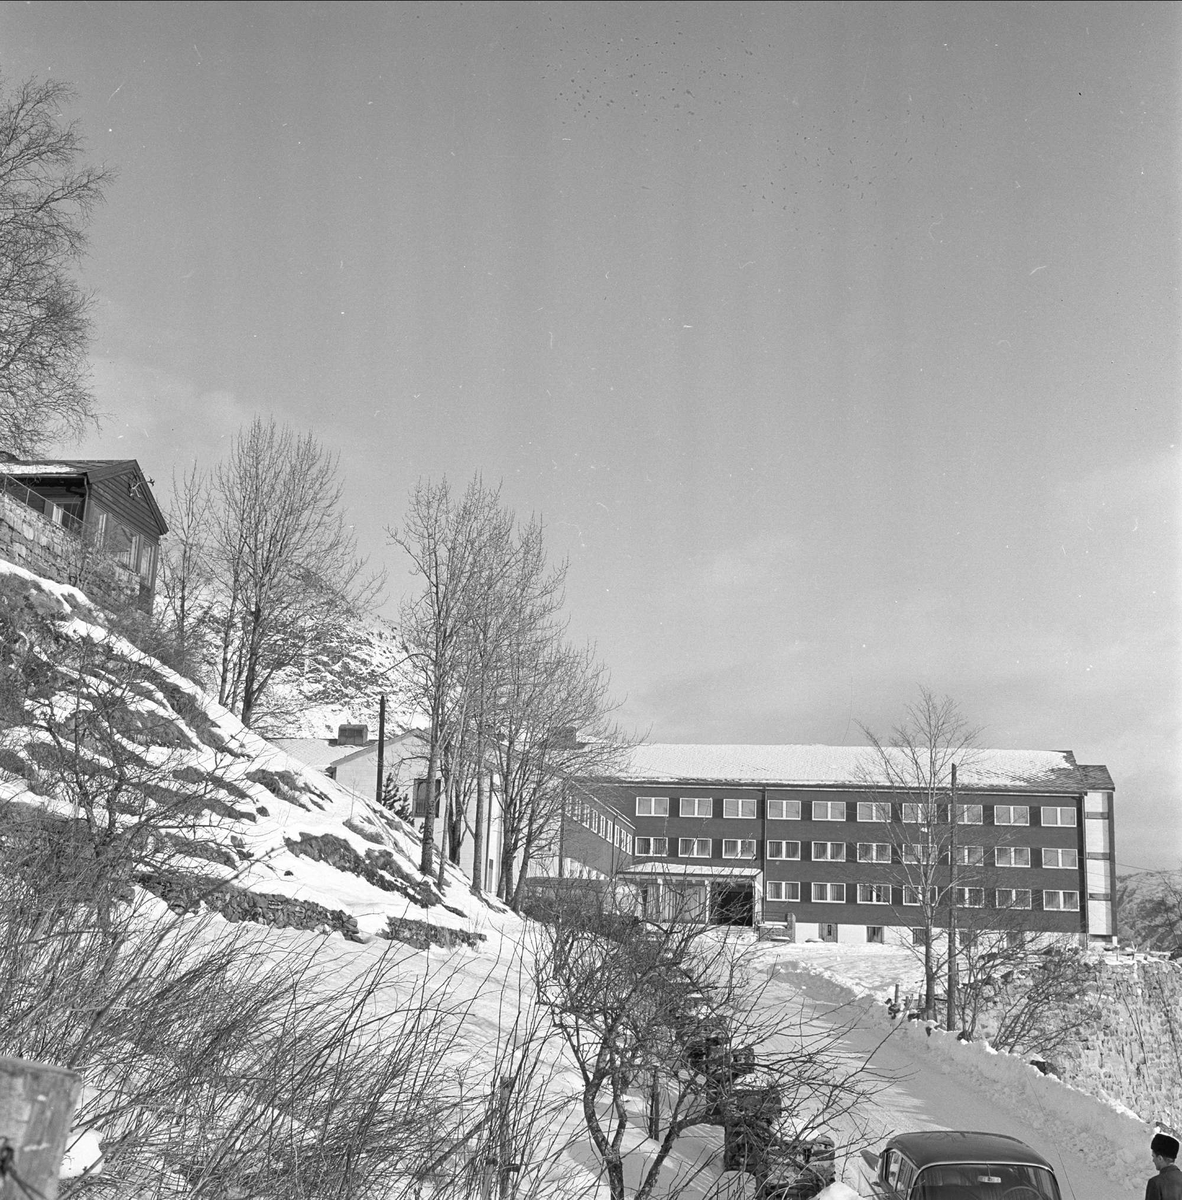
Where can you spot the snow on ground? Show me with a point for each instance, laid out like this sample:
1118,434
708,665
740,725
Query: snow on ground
1099,1149
861,969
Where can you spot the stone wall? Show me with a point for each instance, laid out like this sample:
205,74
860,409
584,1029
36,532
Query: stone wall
422,935
1133,1050
188,893
37,544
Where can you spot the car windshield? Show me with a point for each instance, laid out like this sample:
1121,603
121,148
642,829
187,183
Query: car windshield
984,1181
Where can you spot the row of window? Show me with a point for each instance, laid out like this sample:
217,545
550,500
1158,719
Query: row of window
874,810
867,852
601,825
880,893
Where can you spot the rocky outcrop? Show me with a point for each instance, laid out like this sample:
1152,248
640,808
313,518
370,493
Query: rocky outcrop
421,935
189,893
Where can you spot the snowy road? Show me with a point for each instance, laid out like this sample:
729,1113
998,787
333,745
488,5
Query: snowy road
917,1091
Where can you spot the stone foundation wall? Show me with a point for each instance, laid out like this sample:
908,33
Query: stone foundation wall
422,935
187,894
37,544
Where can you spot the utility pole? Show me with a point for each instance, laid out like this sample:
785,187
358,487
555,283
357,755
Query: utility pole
379,789
950,1021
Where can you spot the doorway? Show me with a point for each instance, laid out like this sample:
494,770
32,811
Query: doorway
733,904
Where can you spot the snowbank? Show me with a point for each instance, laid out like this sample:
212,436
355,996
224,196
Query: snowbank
1105,1133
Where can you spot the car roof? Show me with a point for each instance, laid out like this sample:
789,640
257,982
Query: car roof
957,1146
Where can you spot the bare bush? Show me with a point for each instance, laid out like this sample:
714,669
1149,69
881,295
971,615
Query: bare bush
216,1063
671,1012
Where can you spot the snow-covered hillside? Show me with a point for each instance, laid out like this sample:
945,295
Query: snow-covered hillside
291,846
325,886
354,664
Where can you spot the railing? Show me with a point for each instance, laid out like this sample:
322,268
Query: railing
50,511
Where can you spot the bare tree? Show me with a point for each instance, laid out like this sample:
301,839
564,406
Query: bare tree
283,560
46,199
508,703
457,548
552,725
184,592
669,1012
522,594
915,772
1040,999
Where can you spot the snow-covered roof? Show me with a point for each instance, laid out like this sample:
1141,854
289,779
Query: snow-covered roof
324,752
313,752
850,766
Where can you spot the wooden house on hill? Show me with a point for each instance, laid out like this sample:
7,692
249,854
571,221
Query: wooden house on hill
90,522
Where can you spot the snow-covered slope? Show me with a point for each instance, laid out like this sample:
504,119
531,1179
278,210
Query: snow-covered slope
340,684
254,818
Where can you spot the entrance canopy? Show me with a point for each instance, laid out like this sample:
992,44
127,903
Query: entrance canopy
709,895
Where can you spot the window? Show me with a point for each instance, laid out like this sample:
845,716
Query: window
738,847
697,806
912,814
919,937
970,897
739,808
651,847
829,893
875,935
970,814
1012,856
914,895
874,893
875,852
783,810
783,849
828,810
829,852
1058,816
420,808
1013,898
147,561
1060,901
1060,858
652,806
970,856
874,810
1011,814
777,890
915,852
693,847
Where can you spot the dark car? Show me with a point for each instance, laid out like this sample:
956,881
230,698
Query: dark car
948,1164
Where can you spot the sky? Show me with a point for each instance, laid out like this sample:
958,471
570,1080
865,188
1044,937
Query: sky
837,345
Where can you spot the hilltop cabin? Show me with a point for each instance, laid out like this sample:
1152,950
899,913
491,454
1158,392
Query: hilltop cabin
89,522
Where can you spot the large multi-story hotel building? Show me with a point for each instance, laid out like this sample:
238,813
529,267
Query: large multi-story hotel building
815,837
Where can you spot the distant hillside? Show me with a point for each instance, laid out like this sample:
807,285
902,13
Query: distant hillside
91,727
1149,909
340,684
